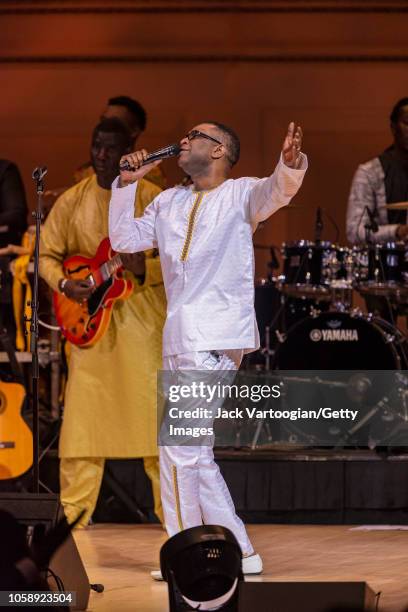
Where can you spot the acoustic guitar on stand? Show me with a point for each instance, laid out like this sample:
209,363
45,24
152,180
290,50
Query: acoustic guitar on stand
16,439
84,324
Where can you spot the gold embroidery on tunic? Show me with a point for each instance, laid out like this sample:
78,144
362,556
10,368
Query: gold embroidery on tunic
190,228
177,497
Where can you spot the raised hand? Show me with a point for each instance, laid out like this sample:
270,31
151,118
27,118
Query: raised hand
292,146
138,171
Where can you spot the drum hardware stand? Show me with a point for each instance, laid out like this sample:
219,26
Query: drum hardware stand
268,352
341,297
390,416
399,427
341,289
273,264
237,441
404,394
357,313
280,317
281,336
314,312
371,227
380,405
258,430
318,225
284,379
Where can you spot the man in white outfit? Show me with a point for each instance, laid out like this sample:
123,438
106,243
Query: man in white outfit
204,235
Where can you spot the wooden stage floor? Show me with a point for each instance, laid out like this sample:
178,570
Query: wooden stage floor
121,557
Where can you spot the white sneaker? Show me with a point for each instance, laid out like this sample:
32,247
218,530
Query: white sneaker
156,575
250,566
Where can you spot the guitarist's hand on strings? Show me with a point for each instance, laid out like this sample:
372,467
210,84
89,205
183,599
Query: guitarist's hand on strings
78,290
135,160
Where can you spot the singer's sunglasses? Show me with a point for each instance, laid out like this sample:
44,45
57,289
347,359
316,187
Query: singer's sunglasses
197,134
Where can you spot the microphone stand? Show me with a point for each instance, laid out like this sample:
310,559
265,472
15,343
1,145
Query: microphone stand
38,177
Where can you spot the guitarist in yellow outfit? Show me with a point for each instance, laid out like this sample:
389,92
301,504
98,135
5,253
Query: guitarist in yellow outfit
110,400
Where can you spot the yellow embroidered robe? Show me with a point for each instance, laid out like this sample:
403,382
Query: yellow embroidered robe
110,400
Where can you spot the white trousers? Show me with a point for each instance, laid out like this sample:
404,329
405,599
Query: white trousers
192,488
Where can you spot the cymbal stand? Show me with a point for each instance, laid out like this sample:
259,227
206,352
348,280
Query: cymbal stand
268,352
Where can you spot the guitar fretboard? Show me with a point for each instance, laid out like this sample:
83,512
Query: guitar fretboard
110,267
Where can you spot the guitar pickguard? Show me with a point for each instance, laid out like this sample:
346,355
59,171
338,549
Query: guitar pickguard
97,297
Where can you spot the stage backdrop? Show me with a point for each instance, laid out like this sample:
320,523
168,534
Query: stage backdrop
336,67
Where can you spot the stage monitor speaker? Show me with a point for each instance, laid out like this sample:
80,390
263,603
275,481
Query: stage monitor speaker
39,513
306,596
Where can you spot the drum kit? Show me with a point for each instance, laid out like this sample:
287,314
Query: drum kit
315,292
314,328
316,287
319,270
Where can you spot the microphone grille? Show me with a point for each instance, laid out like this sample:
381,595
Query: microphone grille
174,149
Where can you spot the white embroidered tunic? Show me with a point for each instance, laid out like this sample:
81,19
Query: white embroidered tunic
206,253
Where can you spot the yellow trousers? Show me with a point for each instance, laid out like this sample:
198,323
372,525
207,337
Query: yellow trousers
80,482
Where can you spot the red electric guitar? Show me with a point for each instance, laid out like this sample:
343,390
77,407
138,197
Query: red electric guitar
83,324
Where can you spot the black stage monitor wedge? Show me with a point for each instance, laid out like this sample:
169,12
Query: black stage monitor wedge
306,597
40,512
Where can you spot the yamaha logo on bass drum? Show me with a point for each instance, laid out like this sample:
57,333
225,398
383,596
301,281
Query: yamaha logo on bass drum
334,334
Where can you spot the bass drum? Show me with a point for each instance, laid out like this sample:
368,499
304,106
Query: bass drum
340,341
339,350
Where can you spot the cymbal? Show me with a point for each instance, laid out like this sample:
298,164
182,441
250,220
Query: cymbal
398,206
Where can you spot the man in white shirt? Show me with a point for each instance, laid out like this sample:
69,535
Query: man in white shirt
204,235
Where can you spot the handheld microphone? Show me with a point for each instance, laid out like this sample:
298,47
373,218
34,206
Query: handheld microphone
164,153
373,223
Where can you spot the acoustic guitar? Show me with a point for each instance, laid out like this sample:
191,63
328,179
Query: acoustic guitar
84,324
16,440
